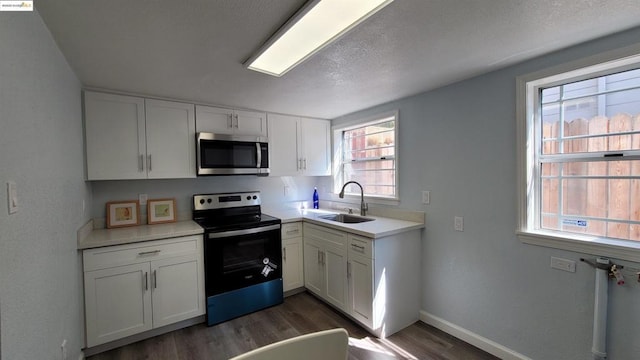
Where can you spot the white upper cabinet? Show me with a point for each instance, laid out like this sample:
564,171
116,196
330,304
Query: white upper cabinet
231,122
170,139
122,142
115,136
299,146
316,144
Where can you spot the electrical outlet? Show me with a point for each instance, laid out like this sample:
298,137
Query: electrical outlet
563,264
458,223
426,197
142,198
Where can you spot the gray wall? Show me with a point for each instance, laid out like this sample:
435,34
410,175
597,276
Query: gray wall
41,150
459,142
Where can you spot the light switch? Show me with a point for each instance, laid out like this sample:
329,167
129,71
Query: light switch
12,197
458,223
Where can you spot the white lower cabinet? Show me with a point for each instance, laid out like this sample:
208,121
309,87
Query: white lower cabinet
374,281
325,263
360,278
133,288
292,258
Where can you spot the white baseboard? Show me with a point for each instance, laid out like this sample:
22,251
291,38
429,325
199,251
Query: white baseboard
472,338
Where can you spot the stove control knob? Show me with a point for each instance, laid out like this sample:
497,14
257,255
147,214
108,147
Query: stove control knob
201,201
254,197
209,200
248,197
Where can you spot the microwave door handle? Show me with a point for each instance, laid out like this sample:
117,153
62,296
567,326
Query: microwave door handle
259,155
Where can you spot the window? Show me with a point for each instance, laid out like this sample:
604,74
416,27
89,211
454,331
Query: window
367,154
580,159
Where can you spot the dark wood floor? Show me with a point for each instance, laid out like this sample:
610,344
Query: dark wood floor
300,314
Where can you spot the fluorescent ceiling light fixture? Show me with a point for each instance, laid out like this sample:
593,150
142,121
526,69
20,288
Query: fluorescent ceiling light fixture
314,26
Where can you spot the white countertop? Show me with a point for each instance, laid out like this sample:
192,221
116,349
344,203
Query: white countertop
380,227
133,234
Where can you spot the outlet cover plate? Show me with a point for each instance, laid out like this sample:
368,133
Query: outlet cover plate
426,197
563,264
458,223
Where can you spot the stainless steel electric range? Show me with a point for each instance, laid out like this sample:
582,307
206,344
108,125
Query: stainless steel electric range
243,258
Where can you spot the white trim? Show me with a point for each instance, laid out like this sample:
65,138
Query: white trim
337,158
618,249
472,338
596,65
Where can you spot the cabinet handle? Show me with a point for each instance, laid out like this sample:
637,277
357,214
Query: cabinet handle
149,162
146,281
141,162
322,257
357,247
284,254
154,252
155,279
300,164
230,121
305,164
237,121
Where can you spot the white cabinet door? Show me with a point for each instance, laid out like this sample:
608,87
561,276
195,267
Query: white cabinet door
170,139
178,290
313,269
115,136
292,270
250,123
117,302
230,122
316,143
360,274
214,120
335,267
283,145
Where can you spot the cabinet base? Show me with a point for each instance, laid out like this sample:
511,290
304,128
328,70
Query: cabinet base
142,336
243,301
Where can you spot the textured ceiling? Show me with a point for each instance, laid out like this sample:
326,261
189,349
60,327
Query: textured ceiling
194,49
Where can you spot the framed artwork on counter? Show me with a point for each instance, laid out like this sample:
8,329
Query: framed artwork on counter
123,213
161,211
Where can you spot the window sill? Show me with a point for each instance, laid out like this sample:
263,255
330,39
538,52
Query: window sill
618,249
355,199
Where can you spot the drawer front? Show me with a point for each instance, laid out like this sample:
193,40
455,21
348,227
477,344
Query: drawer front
335,238
291,230
361,245
110,256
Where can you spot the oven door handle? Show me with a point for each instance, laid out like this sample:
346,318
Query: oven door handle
243,232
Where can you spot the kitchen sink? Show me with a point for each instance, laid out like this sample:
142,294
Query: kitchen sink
345,218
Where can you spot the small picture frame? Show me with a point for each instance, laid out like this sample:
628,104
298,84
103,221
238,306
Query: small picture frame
123,213
161,211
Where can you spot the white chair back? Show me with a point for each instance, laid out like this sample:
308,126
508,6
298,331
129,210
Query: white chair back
322,345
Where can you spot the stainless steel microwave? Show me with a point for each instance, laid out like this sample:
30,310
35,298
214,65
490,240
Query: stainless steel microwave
232,155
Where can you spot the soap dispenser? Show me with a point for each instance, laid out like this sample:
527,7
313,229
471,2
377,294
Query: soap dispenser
316,202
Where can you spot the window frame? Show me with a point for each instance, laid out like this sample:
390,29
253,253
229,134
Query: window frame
527,93
338,176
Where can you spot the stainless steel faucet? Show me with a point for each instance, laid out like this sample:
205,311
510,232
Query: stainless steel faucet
363,205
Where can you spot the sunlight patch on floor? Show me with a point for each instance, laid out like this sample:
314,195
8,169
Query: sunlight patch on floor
369,344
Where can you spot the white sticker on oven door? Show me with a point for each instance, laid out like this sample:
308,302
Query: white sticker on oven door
265,261
266,270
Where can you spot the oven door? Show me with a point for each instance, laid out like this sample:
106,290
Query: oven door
232,155
240,258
